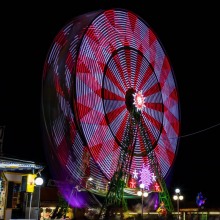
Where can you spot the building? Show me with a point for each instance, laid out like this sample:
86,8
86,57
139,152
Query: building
18,194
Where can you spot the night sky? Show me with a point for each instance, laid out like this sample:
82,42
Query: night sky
190,36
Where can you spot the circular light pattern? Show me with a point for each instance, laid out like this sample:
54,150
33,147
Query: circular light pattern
119,53
139,101
102,68
39,181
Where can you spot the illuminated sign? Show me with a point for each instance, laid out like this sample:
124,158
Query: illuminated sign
28,183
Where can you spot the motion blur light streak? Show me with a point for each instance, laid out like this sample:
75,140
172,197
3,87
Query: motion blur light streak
101,66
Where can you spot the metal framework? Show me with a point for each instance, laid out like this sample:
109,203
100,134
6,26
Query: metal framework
115,201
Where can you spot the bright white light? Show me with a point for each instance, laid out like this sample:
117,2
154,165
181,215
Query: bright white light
39,181
177,190
145,194
139,193
180,197
175,197
142,186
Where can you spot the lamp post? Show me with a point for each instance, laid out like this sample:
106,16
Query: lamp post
39,182
178,197
143,194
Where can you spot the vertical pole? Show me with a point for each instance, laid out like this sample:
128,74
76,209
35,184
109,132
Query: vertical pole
142,204
38,214
31,196
178,214
184,216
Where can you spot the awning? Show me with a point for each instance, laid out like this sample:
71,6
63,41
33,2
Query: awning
16,165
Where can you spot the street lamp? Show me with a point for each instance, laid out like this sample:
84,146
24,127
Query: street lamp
39,182
178,197
143,194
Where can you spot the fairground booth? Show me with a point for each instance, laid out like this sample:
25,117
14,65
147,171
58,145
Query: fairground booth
19,194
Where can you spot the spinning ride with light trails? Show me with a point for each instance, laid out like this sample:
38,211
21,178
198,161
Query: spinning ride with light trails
110,108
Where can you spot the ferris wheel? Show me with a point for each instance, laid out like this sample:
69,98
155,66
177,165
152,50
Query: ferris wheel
109,102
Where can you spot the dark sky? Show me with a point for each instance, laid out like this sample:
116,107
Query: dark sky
190,36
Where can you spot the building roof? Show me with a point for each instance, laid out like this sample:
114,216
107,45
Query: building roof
17,165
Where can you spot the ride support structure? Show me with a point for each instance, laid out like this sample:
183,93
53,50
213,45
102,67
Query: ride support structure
114,200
